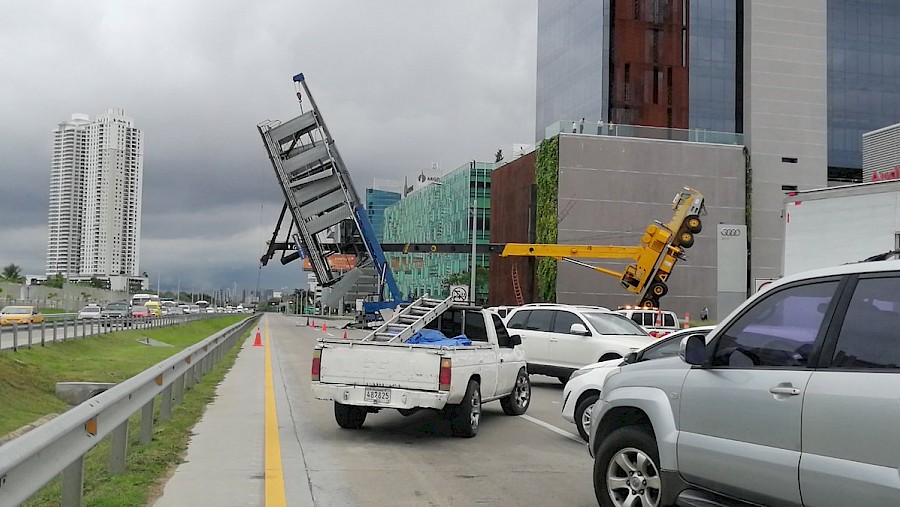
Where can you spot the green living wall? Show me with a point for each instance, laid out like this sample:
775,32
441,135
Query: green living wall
546,175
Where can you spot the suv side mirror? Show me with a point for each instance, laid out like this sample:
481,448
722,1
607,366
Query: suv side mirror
630,358
579,329
693,349
515,340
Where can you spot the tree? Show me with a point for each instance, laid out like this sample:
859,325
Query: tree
13,274
98,283
56,281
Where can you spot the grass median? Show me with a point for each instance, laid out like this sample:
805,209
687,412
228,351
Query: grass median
27,385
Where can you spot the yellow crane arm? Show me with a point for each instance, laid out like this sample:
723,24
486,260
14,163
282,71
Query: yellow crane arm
563,251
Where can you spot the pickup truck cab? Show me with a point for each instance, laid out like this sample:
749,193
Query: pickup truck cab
368,375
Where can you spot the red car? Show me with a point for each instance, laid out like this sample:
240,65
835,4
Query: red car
141,312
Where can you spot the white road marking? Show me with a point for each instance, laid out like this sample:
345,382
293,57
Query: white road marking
329,334
553,428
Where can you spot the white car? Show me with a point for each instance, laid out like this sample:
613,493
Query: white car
89,312
585,385
558,339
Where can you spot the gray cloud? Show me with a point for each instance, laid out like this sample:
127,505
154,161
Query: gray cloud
401,84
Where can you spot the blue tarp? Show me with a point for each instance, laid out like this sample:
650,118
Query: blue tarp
438,339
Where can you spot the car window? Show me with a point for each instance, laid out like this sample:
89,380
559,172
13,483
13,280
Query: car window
540,320
475,328
502,334
517,321
638,318
564,320
869,336
668,320
779,330
614,324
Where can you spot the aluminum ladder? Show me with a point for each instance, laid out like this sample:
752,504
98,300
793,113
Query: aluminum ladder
410,320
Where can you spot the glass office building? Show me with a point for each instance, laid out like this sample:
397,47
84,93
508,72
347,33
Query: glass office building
440,213
863,72
376,202
573,61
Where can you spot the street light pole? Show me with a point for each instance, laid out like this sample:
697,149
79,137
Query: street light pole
474,231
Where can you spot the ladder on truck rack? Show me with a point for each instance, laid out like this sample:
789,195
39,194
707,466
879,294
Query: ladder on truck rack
410,320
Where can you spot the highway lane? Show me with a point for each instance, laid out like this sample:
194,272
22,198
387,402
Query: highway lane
414,461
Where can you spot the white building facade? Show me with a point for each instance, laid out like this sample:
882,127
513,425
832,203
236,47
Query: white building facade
881,154
103,236
66,196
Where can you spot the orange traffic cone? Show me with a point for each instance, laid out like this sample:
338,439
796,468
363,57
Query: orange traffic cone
258,341
324,327
313,324
687,320
345,335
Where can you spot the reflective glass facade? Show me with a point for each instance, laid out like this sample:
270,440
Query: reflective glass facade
863,72
572,61
713,65
440,213
376,202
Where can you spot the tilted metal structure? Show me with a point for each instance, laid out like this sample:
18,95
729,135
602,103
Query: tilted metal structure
328,217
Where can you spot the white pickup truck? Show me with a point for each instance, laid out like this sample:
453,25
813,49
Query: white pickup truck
377,372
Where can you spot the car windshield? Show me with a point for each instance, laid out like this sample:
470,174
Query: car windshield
91,309
117,306
140,309
17,310
614,324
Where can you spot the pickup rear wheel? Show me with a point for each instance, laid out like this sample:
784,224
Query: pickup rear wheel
518,400
349,416
467,414
626,469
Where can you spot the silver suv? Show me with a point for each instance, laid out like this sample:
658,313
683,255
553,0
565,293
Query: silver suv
794,402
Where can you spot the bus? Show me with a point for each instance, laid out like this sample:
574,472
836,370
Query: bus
140,299
203,305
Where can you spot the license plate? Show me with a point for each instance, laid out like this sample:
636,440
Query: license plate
378,395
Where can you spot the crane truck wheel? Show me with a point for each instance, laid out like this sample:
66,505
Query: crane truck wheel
686,240
694,225
658,289
647,303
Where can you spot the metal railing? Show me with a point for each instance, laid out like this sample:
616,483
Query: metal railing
32,460
13,337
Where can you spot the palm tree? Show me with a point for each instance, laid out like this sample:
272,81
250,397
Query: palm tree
13,273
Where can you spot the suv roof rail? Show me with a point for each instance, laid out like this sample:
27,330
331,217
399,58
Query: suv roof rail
882,256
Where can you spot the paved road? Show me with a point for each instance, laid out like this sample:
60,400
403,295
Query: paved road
393,460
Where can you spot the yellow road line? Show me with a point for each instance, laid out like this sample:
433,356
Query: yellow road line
275,496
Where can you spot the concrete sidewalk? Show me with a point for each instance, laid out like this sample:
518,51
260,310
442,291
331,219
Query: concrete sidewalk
224,464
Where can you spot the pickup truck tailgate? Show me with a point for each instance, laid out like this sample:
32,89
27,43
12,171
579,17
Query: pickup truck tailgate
380,365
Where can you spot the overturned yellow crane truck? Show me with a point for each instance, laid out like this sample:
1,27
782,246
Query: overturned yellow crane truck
662,245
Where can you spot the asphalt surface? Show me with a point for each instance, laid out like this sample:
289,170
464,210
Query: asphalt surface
536,459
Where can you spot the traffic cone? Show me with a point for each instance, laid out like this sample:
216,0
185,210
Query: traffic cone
687,320
258,341
345,335
324,327
313,324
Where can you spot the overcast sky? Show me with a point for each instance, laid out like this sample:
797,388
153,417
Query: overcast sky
401,84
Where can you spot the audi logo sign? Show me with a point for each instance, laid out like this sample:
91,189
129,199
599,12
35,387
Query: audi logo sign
730,231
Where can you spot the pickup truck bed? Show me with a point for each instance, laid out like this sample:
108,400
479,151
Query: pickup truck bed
365,376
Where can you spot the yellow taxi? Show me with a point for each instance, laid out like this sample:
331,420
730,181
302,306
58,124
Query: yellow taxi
154,307
20,315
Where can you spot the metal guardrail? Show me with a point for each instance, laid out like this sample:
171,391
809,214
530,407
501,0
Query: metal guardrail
29,335
29,462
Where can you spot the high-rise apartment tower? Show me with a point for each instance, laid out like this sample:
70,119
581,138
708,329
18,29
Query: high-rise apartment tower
95,197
